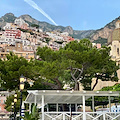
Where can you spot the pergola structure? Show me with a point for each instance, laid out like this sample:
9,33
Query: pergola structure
44,97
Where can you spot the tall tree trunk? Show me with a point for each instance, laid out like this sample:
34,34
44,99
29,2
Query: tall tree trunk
95,84
74,71
76,85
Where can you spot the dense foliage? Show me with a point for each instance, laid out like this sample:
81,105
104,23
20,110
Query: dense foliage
76,62
83,61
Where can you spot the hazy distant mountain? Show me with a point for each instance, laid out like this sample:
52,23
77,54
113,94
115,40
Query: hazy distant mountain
9,17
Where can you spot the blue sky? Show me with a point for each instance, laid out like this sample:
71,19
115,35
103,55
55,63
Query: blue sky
79,14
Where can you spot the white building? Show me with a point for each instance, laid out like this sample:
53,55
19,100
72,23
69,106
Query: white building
65,33
10,26
20,22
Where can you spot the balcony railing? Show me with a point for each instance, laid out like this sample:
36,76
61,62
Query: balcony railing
80,116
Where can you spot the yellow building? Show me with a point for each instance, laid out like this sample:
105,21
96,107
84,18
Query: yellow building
17,50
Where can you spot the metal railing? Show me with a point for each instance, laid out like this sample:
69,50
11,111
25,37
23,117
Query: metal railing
80,116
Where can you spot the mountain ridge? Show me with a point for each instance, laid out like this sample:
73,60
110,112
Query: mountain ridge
99,35
45,26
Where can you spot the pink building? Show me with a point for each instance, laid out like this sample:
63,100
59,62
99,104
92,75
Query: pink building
12,33
2,103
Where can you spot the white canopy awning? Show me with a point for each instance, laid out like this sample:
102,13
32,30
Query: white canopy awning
60,96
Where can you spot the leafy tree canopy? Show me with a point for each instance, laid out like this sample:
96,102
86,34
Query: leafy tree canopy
84,61
11,70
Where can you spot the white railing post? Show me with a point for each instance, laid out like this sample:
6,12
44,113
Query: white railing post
103,116
42,107
84,115
63,116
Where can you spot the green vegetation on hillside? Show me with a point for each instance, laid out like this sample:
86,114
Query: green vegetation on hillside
28,31
35,25
102,41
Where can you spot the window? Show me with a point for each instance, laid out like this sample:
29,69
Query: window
118,51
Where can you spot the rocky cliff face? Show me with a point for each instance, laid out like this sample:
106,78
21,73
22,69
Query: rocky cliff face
104,32
29,19
69,30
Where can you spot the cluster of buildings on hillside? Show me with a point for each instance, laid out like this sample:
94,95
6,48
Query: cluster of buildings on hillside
23,40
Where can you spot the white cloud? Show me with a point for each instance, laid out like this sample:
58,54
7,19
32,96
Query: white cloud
35,6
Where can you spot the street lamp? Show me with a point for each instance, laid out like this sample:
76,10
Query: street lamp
15,100
11,117
22,79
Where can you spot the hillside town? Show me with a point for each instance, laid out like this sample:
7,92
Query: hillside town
23,40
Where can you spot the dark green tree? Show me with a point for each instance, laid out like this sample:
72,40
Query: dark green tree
35,25
12,69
